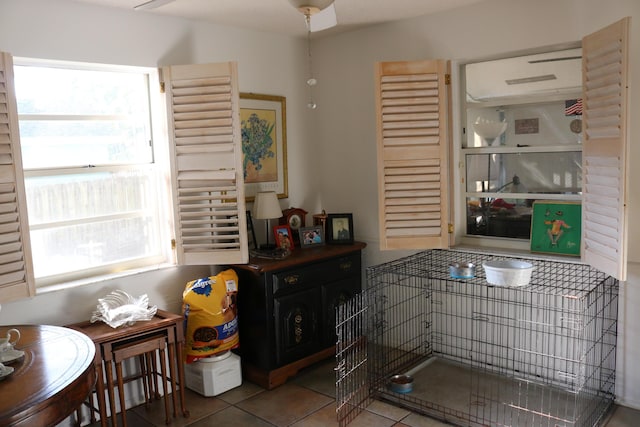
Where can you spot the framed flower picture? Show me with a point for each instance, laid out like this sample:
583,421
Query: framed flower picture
263,126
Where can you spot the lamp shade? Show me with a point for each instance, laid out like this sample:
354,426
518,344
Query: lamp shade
266,206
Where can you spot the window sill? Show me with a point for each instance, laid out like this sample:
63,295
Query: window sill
523,253
103,278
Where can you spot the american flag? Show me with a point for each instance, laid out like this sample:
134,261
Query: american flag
573,107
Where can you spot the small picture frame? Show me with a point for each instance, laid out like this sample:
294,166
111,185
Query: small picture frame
340,229
311,236
283,236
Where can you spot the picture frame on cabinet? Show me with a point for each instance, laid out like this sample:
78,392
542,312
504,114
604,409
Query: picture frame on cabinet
263,125
339,228
311,236
283,236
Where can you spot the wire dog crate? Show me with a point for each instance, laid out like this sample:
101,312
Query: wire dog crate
480,355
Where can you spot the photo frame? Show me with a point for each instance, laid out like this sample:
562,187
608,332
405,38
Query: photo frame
252,243
339,229
556,227
311,236
263,123
283,236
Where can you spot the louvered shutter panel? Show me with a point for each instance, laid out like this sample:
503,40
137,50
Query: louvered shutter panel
16,270
412,140
604,153
207,179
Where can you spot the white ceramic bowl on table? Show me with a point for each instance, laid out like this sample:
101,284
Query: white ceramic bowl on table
508,272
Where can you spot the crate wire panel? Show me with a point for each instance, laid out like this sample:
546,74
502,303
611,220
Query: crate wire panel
352,383
542,354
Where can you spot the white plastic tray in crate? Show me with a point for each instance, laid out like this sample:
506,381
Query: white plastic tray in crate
508,272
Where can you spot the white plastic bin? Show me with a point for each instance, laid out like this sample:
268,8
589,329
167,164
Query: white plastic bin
214,375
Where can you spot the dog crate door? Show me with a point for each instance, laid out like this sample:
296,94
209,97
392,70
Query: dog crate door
352,385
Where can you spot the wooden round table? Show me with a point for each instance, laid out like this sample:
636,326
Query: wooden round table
51,380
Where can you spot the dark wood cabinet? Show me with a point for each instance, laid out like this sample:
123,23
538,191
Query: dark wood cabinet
286,309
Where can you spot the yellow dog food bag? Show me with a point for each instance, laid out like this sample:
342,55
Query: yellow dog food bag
211,316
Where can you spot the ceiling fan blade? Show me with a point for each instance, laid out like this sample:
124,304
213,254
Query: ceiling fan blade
324,19
152,4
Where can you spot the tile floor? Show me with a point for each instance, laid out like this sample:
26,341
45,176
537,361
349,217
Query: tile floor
306,400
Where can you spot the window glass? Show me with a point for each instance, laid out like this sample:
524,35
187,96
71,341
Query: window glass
541,173
522,139
93,190
82,117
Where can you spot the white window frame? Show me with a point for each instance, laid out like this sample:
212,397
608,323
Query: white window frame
458,155
159,164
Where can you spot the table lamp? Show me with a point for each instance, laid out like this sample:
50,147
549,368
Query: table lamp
266,206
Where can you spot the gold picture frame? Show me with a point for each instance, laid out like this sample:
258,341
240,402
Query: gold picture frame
263,123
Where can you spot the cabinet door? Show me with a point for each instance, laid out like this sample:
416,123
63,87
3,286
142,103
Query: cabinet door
335,294
297,319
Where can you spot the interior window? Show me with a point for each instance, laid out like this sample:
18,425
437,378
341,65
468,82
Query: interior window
94,192
521,140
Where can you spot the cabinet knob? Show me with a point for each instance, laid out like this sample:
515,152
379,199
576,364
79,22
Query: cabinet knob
346,265
291,280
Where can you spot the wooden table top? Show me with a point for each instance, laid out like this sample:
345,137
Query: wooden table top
52,379
100,332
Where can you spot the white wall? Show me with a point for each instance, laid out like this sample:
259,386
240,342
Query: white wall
345,127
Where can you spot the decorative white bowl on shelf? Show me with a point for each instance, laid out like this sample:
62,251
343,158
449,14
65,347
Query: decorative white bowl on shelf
508,272
489,129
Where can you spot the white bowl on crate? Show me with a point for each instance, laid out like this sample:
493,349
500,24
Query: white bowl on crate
508,272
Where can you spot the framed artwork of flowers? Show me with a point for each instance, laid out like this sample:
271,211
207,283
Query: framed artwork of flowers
263,125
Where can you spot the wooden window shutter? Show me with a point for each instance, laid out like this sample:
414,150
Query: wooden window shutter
412,139
16,269
206,163
605,148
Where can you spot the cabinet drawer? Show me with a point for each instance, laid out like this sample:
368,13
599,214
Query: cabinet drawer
333,269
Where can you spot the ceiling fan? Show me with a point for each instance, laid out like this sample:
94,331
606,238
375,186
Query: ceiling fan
152,4
319,14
